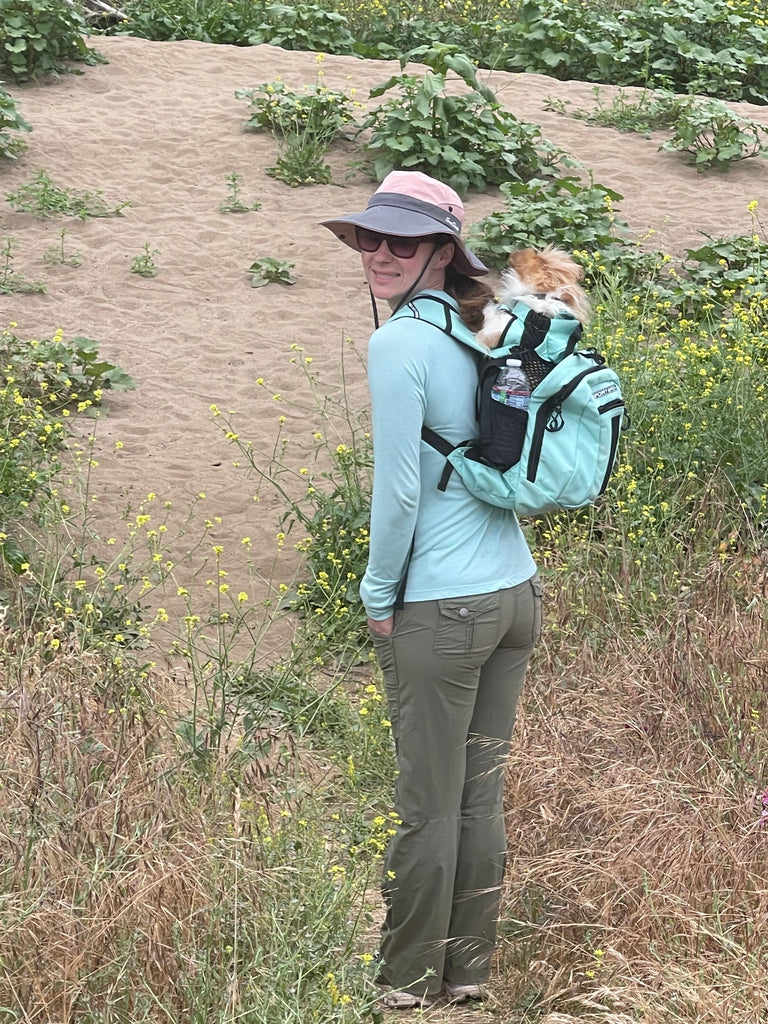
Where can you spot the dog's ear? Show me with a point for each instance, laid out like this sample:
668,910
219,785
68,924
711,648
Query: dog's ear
577,300
531,268
561,265
523,260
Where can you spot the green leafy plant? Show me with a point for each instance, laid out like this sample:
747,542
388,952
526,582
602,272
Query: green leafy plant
65,372
302,162
268,270
40,36
304,26
649,111
145,264
564,212
241,23
40,381
44,199
305,124
316,110
683,46
468,141
11,121
233,203
711,135
10,280
706,130
724,273
59,254
686,46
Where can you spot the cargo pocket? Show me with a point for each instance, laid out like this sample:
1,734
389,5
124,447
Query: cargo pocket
538,589
467,624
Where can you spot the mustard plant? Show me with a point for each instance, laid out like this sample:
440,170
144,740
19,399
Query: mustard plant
326,507
44,382
316,111
304,124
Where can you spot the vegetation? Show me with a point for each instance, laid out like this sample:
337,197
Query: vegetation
687,46
43,198
706,130
655,607
212,857
269,270
466,140
42,37
11,121
304,125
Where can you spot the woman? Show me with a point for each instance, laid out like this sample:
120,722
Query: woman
454,657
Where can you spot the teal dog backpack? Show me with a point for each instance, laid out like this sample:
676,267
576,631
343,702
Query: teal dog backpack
574,418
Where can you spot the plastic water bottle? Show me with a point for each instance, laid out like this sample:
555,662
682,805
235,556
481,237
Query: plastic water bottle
512,387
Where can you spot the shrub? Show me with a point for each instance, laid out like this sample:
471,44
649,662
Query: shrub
316,110
711,135
564,212
240,22
11,121
467,141
41,35
687,46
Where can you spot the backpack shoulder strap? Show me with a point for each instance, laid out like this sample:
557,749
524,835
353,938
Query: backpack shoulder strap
437,311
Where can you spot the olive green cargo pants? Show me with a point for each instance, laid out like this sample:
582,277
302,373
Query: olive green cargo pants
453,671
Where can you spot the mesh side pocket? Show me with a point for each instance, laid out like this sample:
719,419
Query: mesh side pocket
504,443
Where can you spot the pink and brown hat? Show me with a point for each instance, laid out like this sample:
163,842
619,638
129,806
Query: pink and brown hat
410,204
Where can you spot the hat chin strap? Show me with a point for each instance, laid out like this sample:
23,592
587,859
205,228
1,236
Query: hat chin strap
408,294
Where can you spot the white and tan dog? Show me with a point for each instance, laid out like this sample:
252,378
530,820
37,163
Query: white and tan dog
547,281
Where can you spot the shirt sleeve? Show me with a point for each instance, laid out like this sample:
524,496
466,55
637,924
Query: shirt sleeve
397,375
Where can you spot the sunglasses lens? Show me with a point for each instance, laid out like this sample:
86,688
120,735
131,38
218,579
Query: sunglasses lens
369,241
401,248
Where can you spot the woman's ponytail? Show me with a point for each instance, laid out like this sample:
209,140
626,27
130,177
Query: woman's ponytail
471,294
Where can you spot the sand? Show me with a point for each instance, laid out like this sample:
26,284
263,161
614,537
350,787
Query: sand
159,126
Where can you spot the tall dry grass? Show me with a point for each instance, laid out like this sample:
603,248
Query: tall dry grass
117,869
638,879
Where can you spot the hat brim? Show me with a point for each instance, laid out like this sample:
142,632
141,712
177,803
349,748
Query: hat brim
407,223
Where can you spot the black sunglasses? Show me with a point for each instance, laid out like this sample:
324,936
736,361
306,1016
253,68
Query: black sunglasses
401,248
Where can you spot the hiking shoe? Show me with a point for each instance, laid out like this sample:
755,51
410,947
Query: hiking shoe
398,1000
461,993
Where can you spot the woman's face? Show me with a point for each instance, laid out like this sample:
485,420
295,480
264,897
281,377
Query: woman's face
391,277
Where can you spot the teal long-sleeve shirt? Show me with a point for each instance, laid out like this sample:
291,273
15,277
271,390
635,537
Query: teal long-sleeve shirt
417,376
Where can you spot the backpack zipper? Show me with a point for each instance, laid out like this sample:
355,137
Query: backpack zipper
545,411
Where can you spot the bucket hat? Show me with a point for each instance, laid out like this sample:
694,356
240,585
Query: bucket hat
409,203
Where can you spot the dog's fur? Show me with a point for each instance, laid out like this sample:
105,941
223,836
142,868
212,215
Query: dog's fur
546,280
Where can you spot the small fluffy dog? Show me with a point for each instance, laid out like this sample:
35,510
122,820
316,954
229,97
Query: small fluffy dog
546,280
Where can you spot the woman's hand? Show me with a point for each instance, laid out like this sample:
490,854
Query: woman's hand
381,627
